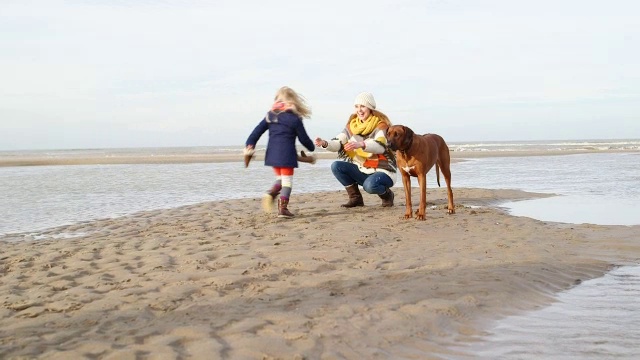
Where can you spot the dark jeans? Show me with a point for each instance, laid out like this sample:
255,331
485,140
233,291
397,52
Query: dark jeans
348,173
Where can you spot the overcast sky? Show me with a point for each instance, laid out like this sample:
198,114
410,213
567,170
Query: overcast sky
109,73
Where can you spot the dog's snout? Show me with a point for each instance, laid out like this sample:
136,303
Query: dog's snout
390,141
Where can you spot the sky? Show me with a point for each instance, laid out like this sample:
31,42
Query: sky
113,73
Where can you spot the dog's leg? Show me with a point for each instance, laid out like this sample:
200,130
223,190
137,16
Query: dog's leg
422,182
445,167
406,182
447,179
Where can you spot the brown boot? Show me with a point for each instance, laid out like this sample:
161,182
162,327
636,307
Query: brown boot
387,198
355,197
283,212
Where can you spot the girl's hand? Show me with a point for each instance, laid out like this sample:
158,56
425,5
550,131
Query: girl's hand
322,143
248,150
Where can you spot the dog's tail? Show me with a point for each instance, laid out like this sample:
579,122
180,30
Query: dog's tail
438,174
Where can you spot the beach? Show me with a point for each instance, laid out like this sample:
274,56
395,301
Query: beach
221,279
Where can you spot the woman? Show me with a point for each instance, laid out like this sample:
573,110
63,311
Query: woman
363,147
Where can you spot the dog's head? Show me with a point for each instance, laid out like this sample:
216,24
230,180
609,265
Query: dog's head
399,137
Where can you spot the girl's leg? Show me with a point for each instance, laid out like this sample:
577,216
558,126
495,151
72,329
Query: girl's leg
269,198
277,185
287,184
286,178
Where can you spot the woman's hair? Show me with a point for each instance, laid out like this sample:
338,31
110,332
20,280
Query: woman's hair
297,102
381,116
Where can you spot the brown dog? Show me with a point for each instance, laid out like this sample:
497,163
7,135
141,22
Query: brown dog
416,155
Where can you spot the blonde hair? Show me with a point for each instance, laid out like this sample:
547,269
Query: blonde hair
296,101
384,118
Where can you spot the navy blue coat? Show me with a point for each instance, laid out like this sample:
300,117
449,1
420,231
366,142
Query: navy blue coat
283,128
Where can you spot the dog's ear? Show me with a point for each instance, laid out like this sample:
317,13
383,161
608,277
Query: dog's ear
408,137
390,133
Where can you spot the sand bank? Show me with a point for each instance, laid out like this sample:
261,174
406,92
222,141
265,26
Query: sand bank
224,280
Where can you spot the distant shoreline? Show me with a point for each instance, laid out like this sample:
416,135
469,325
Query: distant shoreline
27,160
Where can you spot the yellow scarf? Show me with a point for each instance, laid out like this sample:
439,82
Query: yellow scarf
363,128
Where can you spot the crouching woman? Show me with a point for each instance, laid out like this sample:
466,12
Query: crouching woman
365,159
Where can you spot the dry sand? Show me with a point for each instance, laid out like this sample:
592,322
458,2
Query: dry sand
222,280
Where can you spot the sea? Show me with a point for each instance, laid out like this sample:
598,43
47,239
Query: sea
598,319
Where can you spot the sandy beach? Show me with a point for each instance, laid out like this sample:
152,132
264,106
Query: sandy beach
224,280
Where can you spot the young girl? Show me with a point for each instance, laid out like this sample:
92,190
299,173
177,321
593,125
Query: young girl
284,122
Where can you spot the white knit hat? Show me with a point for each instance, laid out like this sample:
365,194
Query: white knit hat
365,99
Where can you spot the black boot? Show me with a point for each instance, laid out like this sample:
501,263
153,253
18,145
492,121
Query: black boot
283,212
355,197
387,198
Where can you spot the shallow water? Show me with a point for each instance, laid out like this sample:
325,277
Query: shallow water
600,319
36,198
40,197
596,188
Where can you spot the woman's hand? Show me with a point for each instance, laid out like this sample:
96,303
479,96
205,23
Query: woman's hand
354,145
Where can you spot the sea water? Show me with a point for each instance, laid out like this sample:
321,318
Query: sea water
597,319
40,197
600,319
